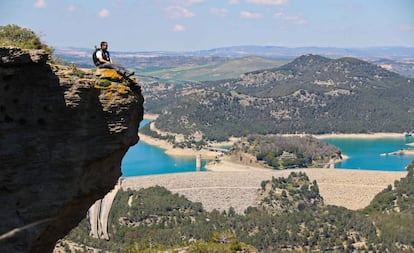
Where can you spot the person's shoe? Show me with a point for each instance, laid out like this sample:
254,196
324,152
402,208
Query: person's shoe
128,74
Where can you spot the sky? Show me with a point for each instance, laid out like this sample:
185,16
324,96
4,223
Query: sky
187,25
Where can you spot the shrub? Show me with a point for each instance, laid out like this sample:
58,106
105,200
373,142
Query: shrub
14,35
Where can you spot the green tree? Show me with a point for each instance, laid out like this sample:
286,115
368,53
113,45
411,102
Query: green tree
14,35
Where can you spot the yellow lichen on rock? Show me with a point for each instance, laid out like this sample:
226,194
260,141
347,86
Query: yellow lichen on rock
113,89
106,77
113,83
97,86
109,94
122,89
109,74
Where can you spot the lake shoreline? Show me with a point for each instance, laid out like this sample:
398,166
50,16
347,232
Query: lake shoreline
176,152
173,151
170,150
227,183
360,135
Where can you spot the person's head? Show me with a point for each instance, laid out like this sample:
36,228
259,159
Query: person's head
104,45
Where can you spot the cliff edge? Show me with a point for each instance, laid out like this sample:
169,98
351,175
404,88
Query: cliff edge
63,133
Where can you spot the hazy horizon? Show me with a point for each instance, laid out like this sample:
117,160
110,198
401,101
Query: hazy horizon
192,25
236,46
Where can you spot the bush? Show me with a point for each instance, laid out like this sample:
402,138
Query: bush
16,36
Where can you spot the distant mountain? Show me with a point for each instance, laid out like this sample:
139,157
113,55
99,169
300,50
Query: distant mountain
140,61
403,67
397,59
311,94
228,68
289,52
263,51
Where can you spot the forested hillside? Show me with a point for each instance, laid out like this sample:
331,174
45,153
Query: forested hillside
312,94
281,152
290,216
393,209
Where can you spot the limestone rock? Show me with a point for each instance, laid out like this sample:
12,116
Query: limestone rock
62,140
12,56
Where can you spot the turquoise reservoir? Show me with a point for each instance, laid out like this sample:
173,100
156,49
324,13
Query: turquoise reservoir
143,159
366,153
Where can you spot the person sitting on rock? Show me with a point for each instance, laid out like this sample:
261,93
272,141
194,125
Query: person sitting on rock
102,59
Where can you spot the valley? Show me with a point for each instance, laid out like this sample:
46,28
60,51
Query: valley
324,209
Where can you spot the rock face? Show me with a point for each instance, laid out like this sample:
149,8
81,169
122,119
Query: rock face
62,137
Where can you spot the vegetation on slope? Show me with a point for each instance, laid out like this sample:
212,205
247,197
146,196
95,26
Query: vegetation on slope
290,216
392,210
288,152
312,94
230,68
16,36
286,195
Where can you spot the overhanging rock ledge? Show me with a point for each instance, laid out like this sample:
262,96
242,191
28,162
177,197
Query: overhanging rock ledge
63,133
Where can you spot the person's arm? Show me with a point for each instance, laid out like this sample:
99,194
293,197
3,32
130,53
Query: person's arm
110,58
101,59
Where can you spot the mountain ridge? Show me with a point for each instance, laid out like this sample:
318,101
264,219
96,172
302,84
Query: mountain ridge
385,51
345,95
265,51
398,59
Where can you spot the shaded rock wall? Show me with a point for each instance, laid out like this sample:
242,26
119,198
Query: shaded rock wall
62,138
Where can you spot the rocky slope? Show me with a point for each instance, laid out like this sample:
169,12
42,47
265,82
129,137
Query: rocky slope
63,135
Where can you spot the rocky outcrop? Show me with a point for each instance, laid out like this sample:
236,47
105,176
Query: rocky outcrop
63,133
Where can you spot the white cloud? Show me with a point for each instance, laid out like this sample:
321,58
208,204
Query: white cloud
104,13
407,27
233,1
40,4
349,6
219,12
296,19
178,28
188,2
268,2
175,12
71,8
191,2
249,14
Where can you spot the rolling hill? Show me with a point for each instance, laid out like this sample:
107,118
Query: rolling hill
397,59
311,94
226,69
